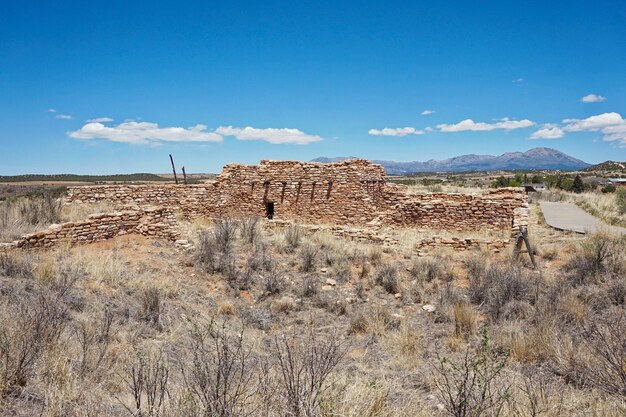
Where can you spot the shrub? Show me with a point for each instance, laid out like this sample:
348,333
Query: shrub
147,382
293,236
206,253
250,229
499,286
308,256
259,318
430,269
387,277
599,358
342,271
260,258
151,307
610,188
32,327
309,286
476,265
598,258
474,386
220,378
225,231
375,255
94,339
305,364
12,266
273,282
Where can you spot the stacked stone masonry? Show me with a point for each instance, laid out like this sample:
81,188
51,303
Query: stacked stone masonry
156,222
352,192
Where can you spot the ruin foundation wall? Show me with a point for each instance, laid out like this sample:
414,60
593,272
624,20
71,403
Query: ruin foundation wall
155,222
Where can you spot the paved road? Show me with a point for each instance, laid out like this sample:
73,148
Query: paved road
567,216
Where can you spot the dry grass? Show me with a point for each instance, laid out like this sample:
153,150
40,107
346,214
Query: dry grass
105,325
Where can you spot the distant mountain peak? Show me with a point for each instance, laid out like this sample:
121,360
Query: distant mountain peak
535,158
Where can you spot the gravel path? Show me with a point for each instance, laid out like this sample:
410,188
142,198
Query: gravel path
567,216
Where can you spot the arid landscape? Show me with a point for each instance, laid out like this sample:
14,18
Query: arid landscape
240,315
313,209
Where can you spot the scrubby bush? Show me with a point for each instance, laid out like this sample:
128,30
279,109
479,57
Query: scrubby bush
308,258
273,282
599,258
220,378
309,286
225,232
151,307
146,380
206,252
31,327
430,269
475,385
250,229
305,365
387,277
499,286
293,237
14,266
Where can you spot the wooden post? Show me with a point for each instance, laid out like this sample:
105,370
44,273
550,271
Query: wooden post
522,238
184,176
173,169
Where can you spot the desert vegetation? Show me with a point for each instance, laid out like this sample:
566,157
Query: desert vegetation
257,321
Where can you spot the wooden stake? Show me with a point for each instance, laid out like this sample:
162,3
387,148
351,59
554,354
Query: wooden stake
173,169
522,238
184,176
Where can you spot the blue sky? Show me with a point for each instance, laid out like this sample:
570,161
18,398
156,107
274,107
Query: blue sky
113,87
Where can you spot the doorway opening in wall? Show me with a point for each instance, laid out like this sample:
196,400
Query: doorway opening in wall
269,210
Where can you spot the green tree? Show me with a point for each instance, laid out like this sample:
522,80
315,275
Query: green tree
500,182
536,179
578,186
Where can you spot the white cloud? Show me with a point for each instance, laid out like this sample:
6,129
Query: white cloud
469,124
548,131
593,123
51,111
592,98
144,133
429,129
518,80
100,120
399,131
63,116
427,112
271,135
150,133
612,125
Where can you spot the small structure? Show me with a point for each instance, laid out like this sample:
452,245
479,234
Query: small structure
618,182
532,188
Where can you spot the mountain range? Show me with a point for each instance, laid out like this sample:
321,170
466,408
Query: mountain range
536,158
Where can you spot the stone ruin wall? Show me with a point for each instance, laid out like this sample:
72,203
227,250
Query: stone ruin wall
351,192
492,210
345,193
192,200
156,222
